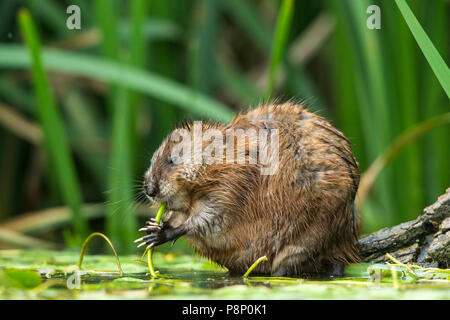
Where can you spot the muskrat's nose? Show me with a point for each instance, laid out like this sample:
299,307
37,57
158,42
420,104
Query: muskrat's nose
150,189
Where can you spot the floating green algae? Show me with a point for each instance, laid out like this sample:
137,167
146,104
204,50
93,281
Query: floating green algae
54,275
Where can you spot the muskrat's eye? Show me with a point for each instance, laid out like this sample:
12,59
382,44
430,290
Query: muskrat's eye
170,160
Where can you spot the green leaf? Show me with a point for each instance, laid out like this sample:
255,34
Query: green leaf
13,56
24,279
430,52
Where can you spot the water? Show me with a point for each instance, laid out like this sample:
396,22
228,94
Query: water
52,275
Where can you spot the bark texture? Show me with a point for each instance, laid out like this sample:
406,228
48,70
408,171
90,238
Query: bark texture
424,241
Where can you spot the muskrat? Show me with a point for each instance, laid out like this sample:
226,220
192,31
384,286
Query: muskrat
301,216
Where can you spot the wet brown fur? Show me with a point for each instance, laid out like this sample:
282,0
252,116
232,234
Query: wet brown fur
302,217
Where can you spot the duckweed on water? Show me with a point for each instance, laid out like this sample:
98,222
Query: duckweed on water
27,274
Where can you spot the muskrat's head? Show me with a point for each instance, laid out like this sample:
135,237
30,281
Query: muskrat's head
172,171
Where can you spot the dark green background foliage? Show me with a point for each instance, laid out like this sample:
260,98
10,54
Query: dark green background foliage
84,130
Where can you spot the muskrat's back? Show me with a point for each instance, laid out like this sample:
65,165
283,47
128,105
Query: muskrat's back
301,217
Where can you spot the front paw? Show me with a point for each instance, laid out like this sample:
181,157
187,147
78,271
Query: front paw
152,226
155,234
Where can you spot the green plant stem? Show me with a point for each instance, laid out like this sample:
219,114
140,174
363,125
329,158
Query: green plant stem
254,265
279,42
151,269
411,267
393,259
54,134
83,248
120,199
203,62
409,270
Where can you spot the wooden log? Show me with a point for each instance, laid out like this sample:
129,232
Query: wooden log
424,241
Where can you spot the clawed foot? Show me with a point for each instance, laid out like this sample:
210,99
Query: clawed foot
155,234
151,225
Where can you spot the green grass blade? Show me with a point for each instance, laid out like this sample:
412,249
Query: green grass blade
12,56
125,139
107,20
51,13
203,64
396,85
373,98
153,28
279,42
404,93
121,221
138,50
436,173
87,136
106,17
430,52
346,101
138,53
54,135
408,166
162,56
